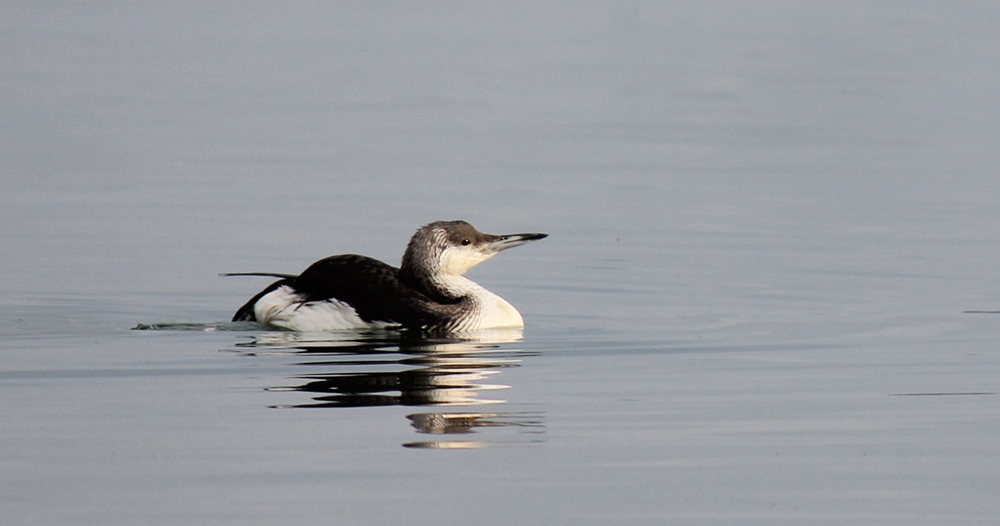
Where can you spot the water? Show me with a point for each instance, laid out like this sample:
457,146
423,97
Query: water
767,226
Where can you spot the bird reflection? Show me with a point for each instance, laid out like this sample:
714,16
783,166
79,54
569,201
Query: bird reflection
423,386
382,369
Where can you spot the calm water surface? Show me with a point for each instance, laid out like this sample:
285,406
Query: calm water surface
766,297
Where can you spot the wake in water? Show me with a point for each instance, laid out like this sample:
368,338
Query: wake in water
201,327
495,336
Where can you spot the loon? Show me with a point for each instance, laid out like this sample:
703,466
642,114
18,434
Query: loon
427,292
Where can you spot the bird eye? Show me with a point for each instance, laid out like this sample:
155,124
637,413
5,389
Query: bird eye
466,241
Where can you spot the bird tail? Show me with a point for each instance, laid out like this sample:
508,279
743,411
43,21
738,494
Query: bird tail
266,274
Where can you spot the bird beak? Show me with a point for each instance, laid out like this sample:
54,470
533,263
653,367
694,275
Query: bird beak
513,240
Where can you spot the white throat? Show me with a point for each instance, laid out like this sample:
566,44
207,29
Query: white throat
458,260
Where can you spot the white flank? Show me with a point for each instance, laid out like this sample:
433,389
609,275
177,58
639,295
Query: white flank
284,308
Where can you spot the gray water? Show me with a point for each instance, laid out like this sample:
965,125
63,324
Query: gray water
765,299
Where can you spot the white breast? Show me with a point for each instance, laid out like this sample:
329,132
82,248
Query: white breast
487,311
494,313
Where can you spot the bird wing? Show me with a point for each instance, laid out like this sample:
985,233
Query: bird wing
372,287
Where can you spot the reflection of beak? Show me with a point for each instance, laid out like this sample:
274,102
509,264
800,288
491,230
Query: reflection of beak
513,240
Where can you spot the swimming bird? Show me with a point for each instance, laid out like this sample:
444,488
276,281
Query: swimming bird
427,291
